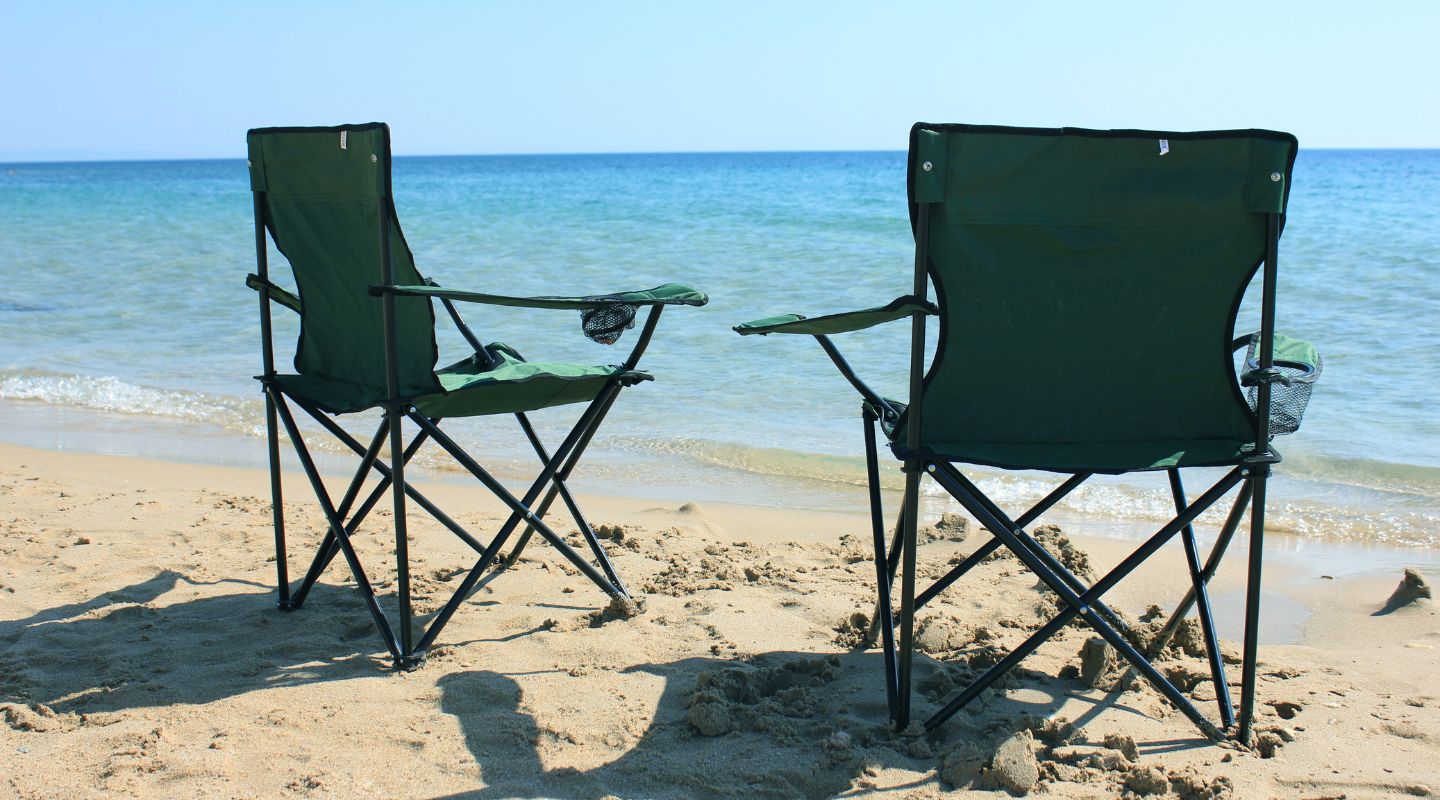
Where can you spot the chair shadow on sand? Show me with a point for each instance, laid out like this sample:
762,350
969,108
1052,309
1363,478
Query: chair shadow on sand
783,713
119,650
788,724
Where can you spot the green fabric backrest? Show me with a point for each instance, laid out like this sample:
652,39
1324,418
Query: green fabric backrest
323,191
1089,280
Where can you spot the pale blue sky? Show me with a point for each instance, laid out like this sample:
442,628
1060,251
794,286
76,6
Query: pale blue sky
83,80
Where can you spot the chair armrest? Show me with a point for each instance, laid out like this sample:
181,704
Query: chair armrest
666,294
274,292
838,323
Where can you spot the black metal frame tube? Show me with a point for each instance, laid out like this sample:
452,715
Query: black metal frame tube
394,411
1084,604
849,374
991,546
1016,529
384,470
581,523
338,527
519,509
631,362
1261,472
1252,606
1212,565
1200,590
327,548
914,411
272,433
884,613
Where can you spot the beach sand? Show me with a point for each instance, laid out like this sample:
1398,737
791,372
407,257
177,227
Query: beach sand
141,654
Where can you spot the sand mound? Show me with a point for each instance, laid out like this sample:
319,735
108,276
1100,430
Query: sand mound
1412,591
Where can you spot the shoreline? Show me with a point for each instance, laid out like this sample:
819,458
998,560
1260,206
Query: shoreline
1377,528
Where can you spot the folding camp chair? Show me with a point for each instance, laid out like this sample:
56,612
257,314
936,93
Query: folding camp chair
1088,284
367,341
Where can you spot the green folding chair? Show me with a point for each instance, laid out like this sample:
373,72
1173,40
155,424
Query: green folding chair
1088,284
367,341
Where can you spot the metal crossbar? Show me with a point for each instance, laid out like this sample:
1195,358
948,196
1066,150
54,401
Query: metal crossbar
1085,604
345,518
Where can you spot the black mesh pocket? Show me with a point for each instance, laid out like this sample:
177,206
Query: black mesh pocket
1289,391
604,324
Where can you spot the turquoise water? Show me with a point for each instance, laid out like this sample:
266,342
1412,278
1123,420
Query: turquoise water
123,295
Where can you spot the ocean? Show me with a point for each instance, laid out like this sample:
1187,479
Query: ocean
125,325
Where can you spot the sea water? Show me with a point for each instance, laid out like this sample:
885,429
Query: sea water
125,325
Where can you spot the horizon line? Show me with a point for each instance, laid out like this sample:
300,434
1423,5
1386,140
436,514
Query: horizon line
161,159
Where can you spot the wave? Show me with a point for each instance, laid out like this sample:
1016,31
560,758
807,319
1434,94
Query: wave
116,396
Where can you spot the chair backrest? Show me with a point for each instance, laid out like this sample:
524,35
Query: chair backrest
325,194
1089,280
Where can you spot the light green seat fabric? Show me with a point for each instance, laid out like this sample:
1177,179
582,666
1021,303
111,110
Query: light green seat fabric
845,322
516,385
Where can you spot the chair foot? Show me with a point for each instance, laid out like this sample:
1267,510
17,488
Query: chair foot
287,605
410,663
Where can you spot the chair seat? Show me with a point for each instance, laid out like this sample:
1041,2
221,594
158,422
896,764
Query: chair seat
514,385
1101,457
518,385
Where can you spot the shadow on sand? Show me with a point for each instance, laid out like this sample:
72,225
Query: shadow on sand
787,724
780,724
118,650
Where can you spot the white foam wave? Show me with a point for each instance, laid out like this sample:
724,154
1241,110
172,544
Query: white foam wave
113,395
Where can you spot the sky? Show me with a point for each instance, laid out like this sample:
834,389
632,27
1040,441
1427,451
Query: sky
111,80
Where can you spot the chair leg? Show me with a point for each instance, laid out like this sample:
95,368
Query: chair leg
907,594
893,557
1083,604
407,659
277,501
563,473
520,509
1212,564
328,546
338,527
1252,602
558,487
1201,592
884,618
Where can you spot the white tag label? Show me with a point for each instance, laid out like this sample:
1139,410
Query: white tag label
343,134
1164,146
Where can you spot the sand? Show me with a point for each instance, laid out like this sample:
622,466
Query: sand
141,654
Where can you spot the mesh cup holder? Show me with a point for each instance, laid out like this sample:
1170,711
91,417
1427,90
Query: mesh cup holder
1289,393
605,323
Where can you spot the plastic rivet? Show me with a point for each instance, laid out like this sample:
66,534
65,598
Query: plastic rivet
930,467
249,163
373,158
927,166
1275,176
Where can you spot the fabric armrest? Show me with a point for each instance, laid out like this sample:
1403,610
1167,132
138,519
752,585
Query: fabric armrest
666,294
274,292
838,323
